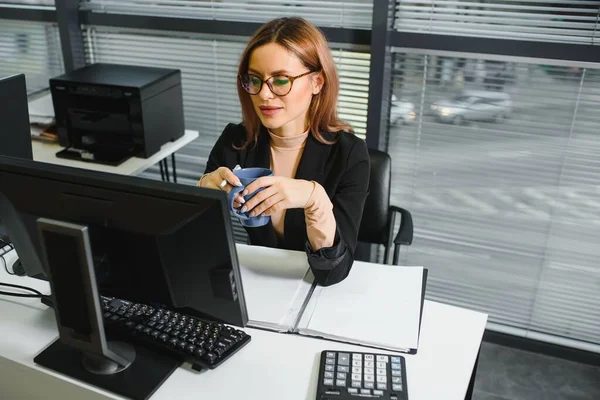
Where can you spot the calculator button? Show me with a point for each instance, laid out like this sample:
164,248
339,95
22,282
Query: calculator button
356,377
369,371
341,375
341,368
381,365
340,382
357,356
381,386
356,370
352,390
365,391
369,357
369,378
396,360
397,387
396,379
369,364
357,363
382,359
328,374
356,384
396,372
381,372
343,359
381,379
369,385
330,354
395,366
378,392
329,368
329,361
328,382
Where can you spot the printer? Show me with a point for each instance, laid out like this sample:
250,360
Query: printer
106,113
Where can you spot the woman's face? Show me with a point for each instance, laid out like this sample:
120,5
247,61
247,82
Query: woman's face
282,115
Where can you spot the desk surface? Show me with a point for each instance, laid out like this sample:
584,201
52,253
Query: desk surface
271,366
46,152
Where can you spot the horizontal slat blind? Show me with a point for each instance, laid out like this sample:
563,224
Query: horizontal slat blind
549,21
209,68
335,13
32,48
506,211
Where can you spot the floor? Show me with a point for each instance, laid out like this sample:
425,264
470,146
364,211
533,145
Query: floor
505,373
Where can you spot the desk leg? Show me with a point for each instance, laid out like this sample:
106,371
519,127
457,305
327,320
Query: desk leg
469,394
162,171
174,168
166,166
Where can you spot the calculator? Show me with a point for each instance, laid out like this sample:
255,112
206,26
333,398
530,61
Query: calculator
352,375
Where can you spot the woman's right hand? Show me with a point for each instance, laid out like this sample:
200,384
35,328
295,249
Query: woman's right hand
222,179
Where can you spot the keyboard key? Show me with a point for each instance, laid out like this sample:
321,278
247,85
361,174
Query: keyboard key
330,354
381,365
396,379
210,357
381,372
357,363
382,386
369,357
356,384
329,368
382,359
396,372
369,364
190,349
395,366
381,379
369,371
329,361
369,378
328,382
365,391
395,359
343,359
357,356
352,390
397,387
356,370
341,375
369,385
378,392
340,382
328,374
343,369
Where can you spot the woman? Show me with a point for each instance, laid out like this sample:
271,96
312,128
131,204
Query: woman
288,88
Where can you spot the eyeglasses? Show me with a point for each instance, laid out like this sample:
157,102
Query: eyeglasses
280,85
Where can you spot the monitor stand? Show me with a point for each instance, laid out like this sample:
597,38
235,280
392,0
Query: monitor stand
82,350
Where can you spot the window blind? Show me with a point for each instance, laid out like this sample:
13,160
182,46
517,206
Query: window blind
504,188
31,48
332,13
568,21
209,69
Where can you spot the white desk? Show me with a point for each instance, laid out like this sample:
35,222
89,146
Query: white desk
272,366
46,152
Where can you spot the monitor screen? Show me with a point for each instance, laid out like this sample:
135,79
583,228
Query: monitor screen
152,242
15,132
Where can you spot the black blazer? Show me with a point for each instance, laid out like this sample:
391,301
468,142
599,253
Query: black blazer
341,168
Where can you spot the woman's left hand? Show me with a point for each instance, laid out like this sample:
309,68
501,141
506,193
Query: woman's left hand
279,194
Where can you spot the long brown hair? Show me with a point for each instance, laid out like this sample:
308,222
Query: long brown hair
309,44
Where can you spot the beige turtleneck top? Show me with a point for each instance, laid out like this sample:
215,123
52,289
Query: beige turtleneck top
286,153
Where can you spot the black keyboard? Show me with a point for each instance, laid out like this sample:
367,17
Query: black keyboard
204,344
351,375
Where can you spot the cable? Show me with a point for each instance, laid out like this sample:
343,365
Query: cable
36,292
11,248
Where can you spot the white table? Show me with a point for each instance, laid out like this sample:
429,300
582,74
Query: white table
272,366
46,152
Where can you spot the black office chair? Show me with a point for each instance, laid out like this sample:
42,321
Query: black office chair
379,216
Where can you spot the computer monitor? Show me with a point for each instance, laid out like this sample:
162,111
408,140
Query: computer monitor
15,132
152,242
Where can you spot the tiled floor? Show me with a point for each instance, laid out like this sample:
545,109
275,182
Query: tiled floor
505,373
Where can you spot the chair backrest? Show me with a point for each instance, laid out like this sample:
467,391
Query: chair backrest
374,225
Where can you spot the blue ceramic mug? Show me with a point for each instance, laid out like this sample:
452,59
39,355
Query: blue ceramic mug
247,176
